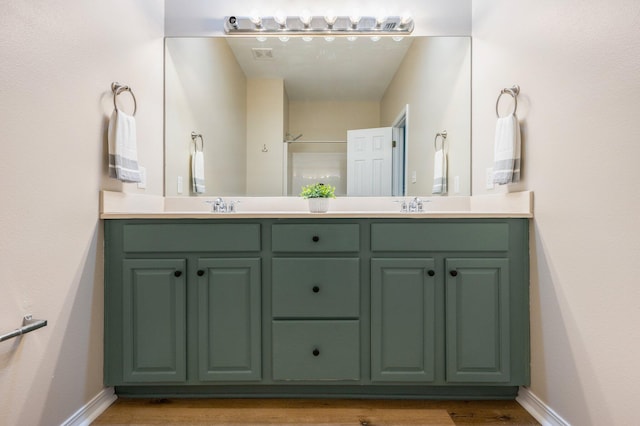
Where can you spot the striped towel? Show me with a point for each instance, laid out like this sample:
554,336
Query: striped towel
197,172
506,167
440,173
123,150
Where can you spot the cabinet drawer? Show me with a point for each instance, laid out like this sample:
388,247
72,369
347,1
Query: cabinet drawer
313,238
316,350
194,237
440,236
316,288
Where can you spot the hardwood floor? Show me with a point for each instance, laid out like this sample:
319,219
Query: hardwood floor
257,412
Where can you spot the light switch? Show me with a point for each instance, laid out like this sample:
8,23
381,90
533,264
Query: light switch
180,186
143,178
414,177
489,178
456,184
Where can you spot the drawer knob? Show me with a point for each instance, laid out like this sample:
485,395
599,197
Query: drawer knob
200,272
454,273
316,352
315,238
431,272
316,289
177,273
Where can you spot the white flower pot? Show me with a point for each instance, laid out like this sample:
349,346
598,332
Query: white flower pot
318,205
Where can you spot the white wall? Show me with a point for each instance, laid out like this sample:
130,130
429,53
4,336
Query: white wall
265,129
58,61
434,79
205,92
578,64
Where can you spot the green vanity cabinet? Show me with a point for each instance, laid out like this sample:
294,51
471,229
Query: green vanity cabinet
317,307
478,320
182,302
229,323
154,312
403,320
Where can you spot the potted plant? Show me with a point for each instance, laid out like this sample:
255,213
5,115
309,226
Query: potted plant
318,195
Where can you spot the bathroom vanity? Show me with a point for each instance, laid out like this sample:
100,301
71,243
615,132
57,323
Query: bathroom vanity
318,306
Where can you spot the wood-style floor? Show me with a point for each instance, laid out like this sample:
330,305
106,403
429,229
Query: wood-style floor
258,412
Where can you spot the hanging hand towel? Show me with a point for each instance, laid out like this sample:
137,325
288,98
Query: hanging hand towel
197,172
506,167
123,150
440,173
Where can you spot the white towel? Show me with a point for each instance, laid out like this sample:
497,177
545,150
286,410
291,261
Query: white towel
440,173
197,172
506,167
123,150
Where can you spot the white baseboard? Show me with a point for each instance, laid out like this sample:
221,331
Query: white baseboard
92,409
538,409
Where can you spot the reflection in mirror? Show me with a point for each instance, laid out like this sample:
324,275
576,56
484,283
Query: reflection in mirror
275,115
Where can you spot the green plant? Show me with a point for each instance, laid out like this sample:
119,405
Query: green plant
318,190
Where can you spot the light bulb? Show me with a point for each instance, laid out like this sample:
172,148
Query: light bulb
406,17
354,18
330,18
283,39
305,17
381,17
280,18
255,18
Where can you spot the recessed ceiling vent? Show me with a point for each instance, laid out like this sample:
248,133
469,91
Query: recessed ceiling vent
262,53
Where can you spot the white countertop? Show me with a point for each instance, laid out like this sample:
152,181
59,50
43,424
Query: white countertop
119,205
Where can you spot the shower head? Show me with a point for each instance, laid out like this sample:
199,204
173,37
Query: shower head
291,138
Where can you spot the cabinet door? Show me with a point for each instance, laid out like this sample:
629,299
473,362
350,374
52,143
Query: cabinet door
154,320
403,321
477,332
229,319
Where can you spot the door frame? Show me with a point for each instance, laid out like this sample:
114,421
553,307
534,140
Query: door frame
402,122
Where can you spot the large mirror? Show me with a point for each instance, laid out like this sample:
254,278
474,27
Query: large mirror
276,114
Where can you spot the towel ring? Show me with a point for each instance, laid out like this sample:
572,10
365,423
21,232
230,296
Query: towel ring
513,91
194,139
443,135
118,88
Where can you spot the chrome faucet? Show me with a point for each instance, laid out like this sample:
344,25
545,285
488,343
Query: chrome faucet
221,206
415,205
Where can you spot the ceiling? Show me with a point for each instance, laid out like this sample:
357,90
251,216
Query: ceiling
319,70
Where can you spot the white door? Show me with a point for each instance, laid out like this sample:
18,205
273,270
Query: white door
369,162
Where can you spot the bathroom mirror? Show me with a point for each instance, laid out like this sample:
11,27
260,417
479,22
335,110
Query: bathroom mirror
277,113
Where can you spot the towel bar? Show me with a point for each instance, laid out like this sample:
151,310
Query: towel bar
443,135
194,139
118,88
28,324
514,91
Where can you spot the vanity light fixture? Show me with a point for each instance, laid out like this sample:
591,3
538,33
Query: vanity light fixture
328,25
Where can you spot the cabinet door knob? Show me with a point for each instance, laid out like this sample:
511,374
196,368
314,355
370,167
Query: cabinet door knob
431,272
315,238
177,273
454,273
200,272
315,289
316,352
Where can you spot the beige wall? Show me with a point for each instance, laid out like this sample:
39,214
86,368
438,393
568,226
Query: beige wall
58,61
329,121
578,65
434,80
205,92
265,127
